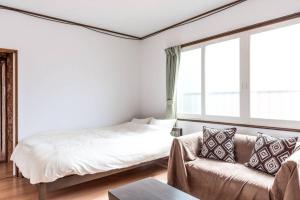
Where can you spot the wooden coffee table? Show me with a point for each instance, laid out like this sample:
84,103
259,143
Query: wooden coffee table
148,189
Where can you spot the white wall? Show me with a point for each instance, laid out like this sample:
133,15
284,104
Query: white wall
153,56
70,77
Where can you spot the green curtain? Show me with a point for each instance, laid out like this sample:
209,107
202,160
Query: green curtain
173,61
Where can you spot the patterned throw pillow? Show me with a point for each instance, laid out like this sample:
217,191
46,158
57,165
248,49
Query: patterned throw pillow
218,144
269,152
297,148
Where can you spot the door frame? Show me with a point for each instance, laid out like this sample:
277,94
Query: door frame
14,112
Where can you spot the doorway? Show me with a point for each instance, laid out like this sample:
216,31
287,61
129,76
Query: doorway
8,110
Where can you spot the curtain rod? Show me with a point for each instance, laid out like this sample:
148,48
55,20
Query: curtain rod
243,29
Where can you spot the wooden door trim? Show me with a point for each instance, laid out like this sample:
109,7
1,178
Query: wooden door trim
14,55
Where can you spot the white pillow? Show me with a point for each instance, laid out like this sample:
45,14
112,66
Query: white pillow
164,123
141,121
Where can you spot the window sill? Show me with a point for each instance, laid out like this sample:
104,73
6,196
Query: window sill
242,125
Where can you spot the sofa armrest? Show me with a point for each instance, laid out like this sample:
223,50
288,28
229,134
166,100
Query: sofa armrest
190,146
184,149
286,185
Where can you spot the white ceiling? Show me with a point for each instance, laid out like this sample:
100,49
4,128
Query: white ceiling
135,17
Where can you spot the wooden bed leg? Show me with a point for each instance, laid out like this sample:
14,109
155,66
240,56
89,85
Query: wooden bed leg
42,189
20,175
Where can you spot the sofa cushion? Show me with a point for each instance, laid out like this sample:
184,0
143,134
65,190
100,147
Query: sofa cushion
214,180
243,145
269,152
218,144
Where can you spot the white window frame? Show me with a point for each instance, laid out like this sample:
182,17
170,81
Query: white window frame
244,117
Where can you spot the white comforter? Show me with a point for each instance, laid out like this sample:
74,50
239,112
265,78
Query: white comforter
48,156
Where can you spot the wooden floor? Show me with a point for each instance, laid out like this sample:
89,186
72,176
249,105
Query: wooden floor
18,189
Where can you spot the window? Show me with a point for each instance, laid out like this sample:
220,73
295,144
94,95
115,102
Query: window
249,78
222,79
189,83
221,63
275,72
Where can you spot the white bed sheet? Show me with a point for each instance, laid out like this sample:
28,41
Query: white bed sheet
48,156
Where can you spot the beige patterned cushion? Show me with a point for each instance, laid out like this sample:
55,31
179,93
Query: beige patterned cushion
269,152
218,144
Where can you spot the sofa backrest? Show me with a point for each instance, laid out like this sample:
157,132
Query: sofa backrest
243,147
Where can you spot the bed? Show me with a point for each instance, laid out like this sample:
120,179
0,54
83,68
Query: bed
57,159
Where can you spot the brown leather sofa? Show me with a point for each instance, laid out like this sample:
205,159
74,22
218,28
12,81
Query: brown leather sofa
217,180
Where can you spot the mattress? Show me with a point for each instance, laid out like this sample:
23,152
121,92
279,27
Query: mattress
48,156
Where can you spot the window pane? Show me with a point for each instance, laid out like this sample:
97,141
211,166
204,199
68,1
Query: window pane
189,83
222,62
274,71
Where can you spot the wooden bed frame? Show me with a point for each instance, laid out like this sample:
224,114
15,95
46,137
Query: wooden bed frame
71,180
